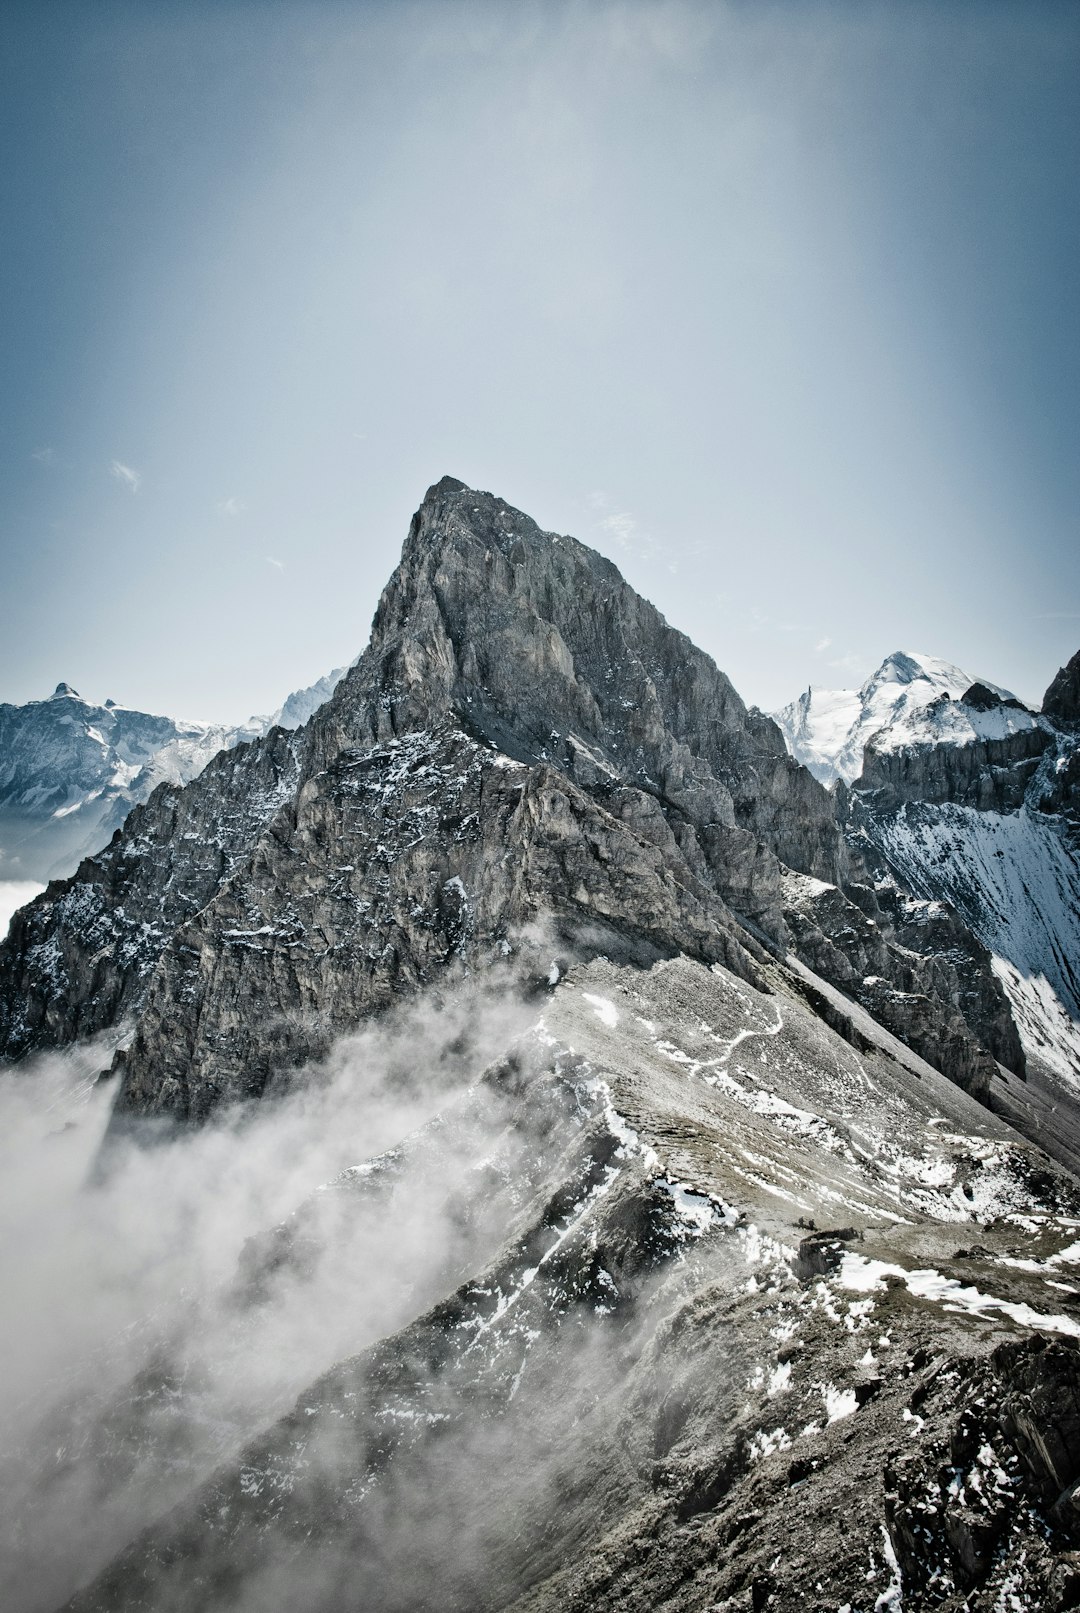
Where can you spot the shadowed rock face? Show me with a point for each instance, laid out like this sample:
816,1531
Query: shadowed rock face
525,736
1061,702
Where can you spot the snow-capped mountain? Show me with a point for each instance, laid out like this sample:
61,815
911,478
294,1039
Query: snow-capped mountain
576,1185
962,795
910,699
71,770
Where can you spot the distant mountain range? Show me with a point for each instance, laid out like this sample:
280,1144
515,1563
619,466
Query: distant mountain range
71,770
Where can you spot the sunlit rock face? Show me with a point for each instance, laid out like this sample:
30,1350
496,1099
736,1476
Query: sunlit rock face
589,1169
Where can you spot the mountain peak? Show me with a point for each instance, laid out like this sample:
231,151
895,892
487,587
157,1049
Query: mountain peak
445,484
911,698
64,691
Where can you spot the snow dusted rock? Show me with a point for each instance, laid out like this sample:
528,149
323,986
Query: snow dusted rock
909,699
70,770
78,959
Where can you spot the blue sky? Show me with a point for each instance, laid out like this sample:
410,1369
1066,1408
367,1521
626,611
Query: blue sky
777,304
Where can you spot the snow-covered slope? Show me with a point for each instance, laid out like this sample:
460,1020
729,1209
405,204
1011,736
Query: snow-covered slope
71,770
956,786
1014,879
910,699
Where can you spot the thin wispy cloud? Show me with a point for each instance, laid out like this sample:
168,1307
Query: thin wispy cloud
851,664
231,506
270,561
45,456
822,644
622,527
125,475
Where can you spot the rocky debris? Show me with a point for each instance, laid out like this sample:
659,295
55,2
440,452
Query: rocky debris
621,1395
987,1507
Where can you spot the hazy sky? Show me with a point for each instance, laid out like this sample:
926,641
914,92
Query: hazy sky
776,304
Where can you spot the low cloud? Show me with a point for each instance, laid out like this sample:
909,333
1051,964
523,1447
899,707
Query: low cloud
125,475
139,1298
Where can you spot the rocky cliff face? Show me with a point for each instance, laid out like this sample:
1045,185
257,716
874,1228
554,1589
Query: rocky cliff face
1061,702
523,736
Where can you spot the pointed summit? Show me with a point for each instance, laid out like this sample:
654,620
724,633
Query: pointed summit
64,691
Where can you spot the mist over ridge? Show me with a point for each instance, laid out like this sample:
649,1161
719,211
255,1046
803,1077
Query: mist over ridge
473,1148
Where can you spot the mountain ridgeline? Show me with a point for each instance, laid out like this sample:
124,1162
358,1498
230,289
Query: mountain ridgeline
525,737
600,1168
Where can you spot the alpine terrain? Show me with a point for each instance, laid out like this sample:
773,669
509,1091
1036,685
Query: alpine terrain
70,771
953,792
522,1140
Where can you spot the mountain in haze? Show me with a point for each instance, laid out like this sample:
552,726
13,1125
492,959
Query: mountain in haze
644,1206
70,770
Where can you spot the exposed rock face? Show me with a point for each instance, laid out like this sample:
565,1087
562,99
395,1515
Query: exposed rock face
79,958
1061,702
988,775
524,735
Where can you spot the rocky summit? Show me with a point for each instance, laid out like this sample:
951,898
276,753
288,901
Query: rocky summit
623,1171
